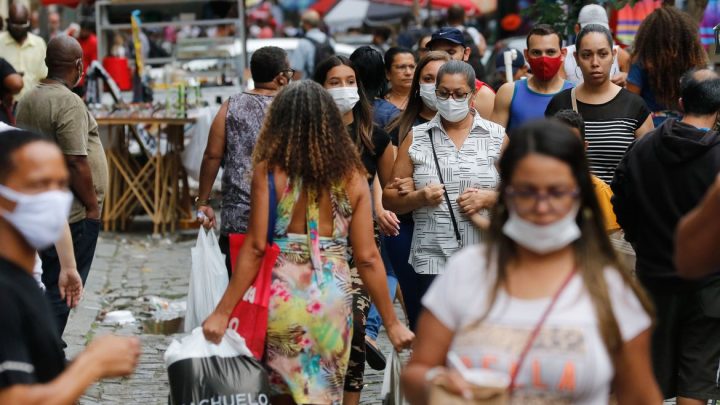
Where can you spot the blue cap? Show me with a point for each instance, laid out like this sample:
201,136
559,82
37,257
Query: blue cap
448,34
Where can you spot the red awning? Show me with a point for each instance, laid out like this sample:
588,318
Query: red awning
470,7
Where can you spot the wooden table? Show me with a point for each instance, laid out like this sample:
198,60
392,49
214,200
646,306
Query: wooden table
155,182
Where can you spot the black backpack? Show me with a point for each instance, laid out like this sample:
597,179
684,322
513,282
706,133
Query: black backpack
323,50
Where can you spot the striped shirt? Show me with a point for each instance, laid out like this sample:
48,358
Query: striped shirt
609,127
473,165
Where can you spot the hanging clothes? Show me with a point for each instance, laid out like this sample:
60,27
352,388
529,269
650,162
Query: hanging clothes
711,18
630,18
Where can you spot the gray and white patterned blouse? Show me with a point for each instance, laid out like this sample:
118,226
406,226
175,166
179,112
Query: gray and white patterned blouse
244,119
473,165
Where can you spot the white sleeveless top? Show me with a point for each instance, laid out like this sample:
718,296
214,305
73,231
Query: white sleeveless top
573,71
472,166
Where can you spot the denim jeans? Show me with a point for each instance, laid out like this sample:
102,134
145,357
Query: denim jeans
412,285
374,321
84,236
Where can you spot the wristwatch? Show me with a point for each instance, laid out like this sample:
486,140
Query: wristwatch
201,203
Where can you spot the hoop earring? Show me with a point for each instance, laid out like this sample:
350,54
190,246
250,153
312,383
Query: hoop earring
587,214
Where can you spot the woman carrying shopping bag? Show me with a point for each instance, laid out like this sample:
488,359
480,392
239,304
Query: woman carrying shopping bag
325,200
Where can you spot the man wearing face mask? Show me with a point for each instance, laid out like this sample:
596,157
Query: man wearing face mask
53,109
452,41
232,139
34,204
663,176
23,50
526,100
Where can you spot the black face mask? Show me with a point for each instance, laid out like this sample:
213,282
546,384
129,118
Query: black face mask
17,32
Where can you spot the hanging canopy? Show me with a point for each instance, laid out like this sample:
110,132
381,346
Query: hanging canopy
355,13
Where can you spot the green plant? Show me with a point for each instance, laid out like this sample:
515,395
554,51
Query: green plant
562,14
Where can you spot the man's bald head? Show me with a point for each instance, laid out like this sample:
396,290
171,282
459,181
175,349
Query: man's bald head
18,22
64,59
311,18
18,13
700,92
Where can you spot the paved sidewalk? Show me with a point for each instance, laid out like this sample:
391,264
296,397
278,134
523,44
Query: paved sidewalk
126,269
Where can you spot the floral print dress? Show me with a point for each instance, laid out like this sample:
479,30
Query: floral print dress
310,318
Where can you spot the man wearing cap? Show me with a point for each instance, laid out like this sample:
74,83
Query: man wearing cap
526,100
452,41
518,67
595,14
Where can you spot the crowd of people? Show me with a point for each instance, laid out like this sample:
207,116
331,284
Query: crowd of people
502,219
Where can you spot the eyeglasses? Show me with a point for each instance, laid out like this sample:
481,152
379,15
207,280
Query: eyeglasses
289,73
526,200
16,25
457,96
404,67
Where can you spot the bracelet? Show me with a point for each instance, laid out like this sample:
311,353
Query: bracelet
433,373
201,203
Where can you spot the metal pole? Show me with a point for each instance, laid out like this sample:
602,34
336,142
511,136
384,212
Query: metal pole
243,40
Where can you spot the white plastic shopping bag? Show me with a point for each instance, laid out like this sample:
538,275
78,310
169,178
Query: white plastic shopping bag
390,392
208,279
201,372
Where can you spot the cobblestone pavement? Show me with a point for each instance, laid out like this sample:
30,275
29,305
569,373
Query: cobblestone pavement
127,269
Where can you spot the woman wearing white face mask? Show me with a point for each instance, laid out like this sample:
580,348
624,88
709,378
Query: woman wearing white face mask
544,304
463,147
338,76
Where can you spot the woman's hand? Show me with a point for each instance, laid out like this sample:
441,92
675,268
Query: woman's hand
404,186
215,326
206,216
400,336
473,200
433,194
389,222
454,383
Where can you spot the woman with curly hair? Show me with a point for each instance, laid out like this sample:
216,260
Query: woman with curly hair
305,153
339,77
666,46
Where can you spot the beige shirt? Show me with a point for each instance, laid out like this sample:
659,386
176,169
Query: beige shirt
28,59
54,110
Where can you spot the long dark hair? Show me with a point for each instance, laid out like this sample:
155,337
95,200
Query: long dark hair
405,121
303,135
593,251
370,68
667,45
362,112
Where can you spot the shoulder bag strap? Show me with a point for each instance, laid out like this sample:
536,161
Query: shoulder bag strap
447,197
536,331
272,214
573,100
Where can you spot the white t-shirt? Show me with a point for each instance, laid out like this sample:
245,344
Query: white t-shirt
568,362
573,72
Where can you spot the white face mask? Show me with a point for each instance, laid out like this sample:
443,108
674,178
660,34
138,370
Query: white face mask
543,239
452,110
427,94
38,217
345,98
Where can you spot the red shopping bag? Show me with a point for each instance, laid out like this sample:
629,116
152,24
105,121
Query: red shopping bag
250,316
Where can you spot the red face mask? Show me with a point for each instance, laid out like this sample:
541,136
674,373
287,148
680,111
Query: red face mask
545,68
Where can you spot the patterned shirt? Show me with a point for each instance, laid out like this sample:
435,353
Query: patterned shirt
473,165
242,126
